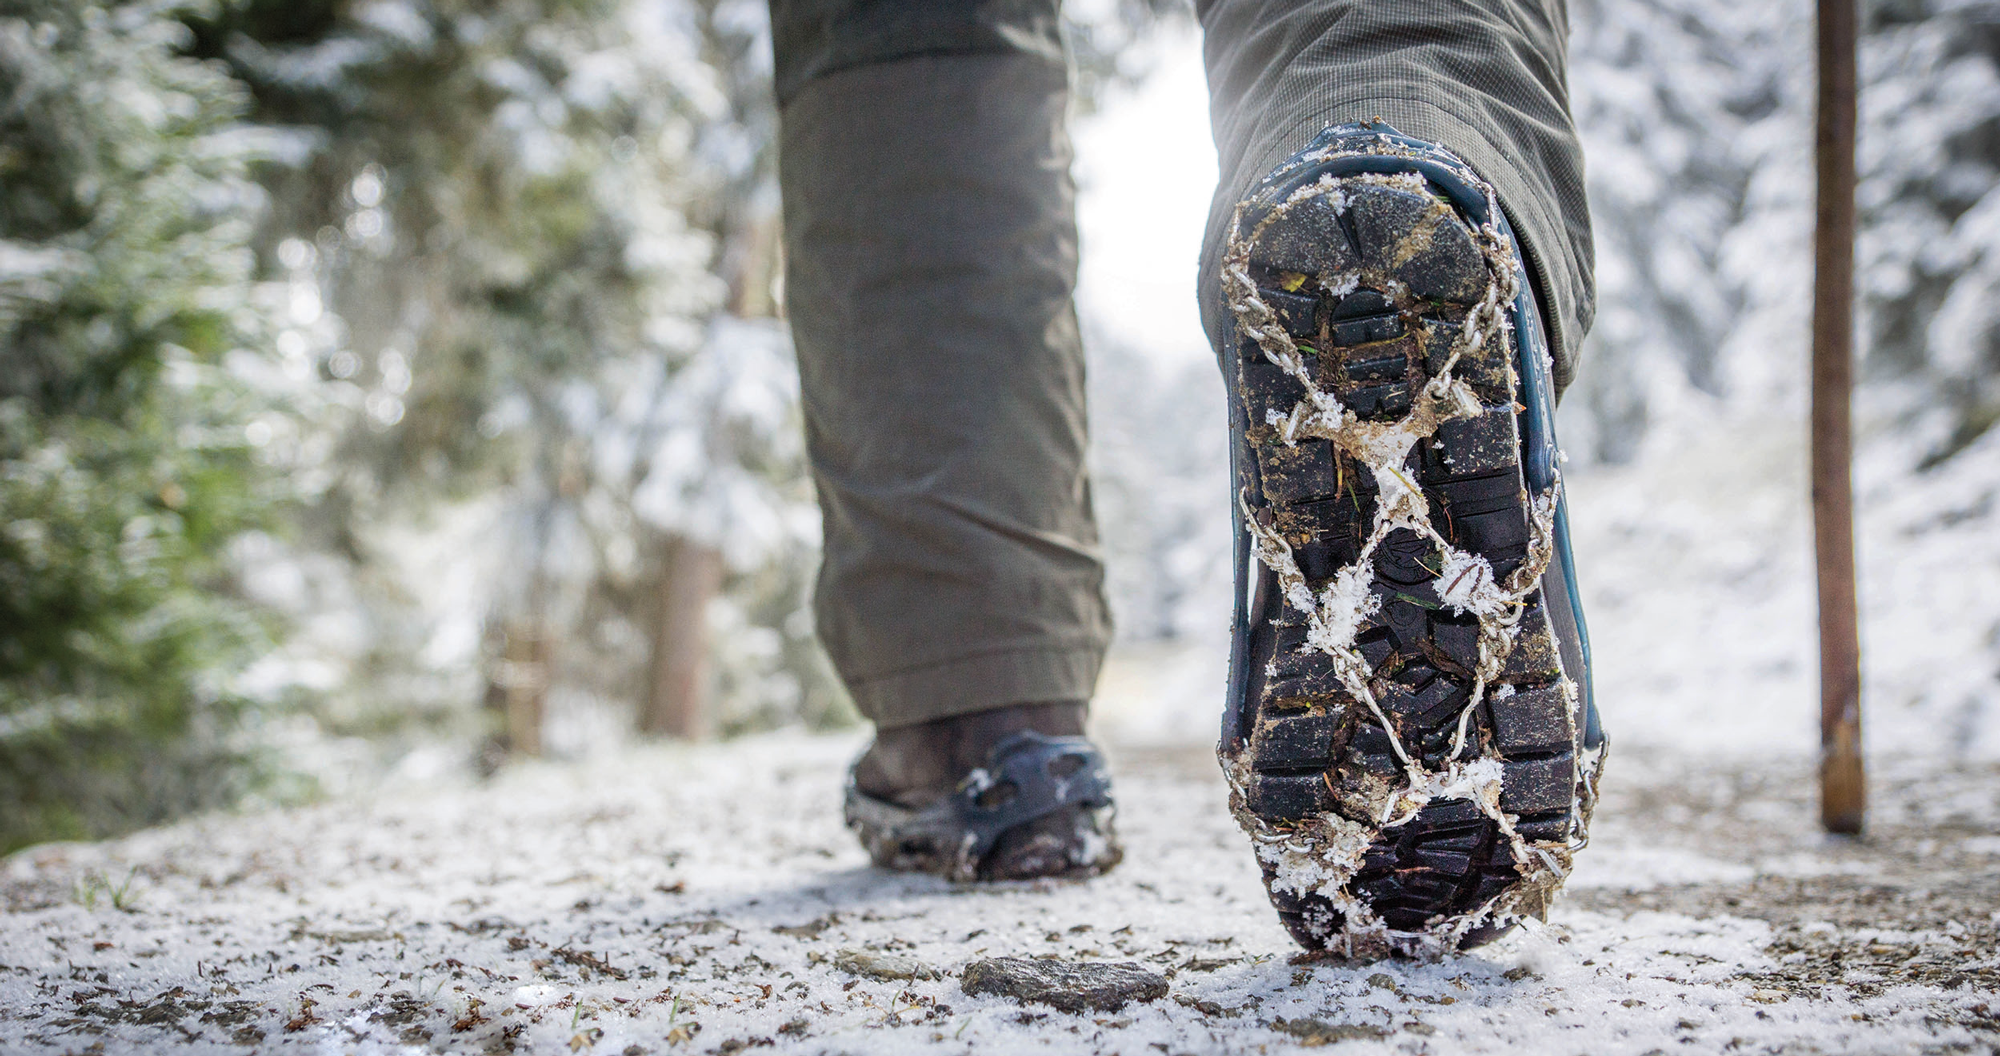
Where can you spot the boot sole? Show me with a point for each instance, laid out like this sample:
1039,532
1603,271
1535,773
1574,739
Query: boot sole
1405,752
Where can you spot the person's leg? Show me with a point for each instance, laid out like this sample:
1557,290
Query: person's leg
930,255
1408,729
930,243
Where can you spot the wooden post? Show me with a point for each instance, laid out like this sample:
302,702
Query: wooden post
1843,787
676,703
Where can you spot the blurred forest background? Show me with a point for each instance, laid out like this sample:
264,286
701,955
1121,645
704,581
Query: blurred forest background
405,383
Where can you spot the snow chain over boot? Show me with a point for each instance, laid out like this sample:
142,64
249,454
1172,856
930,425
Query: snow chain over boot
1409,738
1054,790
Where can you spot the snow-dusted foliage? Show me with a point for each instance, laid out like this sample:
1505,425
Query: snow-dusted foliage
1697,122
514,241
125,445
1107,42
1930,207
1697,125
1699,167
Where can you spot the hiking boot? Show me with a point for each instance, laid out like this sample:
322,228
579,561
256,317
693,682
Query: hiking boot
1013,793
1409,736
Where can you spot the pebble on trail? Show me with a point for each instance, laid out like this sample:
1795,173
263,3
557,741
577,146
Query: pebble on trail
1078,986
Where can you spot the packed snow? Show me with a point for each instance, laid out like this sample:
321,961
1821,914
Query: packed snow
705,899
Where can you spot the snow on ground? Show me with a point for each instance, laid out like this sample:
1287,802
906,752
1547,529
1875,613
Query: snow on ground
698,899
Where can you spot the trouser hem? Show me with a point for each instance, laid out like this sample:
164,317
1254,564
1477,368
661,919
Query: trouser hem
978,683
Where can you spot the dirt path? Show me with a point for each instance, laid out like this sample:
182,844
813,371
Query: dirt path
682,901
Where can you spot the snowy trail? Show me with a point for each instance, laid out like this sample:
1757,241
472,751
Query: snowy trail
696,900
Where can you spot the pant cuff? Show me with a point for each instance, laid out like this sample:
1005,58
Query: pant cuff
978,683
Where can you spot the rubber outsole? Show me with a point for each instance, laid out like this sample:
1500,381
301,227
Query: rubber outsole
1406,752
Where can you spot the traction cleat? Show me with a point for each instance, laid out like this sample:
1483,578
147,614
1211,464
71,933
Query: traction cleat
1040,806
1409,737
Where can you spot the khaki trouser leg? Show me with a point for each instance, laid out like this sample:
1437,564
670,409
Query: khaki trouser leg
931,254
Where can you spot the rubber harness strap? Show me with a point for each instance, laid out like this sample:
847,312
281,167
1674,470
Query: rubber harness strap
1027,776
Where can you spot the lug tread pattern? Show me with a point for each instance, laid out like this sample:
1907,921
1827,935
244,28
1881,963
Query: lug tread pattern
1312,748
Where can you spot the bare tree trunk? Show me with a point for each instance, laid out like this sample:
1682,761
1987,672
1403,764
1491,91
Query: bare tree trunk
676,694
753,258
518,689
748,258
1843,786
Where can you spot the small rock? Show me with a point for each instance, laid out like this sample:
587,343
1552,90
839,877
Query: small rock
1070,987
810,929
1205,1006
1313,1033
884,966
